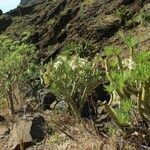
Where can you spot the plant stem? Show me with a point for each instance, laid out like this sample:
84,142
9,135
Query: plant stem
119,62
108,74
139,104
10,96
74,110
145,97
113,115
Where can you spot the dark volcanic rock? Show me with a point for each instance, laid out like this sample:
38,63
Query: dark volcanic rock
21,11
2,119
27,131
46,98
54,23
37,129
26,2
1,12
52,12
5,21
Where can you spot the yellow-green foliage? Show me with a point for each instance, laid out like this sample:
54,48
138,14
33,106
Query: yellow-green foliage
82,49
122,12
88,2
15,59
128,77
72,80
51,22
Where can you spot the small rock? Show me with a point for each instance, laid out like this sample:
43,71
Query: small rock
2,119
4,131
46,98
62,105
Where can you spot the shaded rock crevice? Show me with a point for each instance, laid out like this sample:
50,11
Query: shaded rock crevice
52,13
5,21
56,33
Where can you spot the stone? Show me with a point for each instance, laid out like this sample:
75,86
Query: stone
5,21
2,119
1,12
27,131
62,105
27,2
4,131
46,98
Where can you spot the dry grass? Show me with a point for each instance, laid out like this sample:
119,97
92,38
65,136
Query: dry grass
73,135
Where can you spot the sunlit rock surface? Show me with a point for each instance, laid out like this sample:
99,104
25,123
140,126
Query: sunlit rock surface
25,2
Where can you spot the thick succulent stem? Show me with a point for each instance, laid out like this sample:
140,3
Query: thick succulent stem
140,103
121,94
108,74
11,102
131,53
111,99
145,98
113,116
119,62
74,110
109,77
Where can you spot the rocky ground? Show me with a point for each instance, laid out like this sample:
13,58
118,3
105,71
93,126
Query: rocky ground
58,132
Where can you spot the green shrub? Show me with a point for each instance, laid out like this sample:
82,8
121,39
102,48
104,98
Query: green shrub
128,77
72,80
82,49
142,17
15,59
124,111
123,12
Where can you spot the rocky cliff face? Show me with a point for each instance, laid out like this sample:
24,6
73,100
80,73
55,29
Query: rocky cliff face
25,2
54,23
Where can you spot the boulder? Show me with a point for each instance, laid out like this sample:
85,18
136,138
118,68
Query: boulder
2,119
26,132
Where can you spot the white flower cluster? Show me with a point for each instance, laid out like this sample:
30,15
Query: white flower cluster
74,63
59,62
77,62
128,63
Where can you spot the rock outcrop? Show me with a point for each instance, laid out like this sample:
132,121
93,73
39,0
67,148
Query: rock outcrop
1,12
26,2
55,23
5,22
